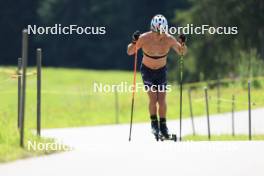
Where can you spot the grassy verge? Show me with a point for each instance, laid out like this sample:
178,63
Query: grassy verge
239,137
10,149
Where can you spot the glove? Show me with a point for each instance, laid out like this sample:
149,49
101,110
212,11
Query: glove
135,36
182,38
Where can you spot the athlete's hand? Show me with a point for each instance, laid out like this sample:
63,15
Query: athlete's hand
182,40
135,36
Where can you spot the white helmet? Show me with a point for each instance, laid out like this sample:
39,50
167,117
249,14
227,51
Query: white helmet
159,23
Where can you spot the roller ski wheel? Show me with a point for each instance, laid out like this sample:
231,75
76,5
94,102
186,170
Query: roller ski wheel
171,137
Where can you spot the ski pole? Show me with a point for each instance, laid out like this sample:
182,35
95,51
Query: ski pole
133,94
182,39
181,75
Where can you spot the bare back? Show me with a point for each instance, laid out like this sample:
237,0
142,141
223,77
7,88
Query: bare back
155,47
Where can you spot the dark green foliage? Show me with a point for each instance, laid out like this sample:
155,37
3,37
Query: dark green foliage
121,19
224,54
209,56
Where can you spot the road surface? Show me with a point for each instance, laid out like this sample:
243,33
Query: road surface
105,151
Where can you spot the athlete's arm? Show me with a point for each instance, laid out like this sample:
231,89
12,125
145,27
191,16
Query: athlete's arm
136,43
131,48
178,47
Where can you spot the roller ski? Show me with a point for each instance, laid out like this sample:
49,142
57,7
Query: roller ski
164,132
171,137
160,131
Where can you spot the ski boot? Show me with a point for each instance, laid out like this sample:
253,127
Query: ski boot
164,132
155,126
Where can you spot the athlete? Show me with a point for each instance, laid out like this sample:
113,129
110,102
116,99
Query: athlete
156,45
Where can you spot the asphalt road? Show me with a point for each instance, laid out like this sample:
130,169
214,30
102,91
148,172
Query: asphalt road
105,150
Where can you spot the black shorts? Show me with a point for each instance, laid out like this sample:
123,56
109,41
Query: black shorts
156,79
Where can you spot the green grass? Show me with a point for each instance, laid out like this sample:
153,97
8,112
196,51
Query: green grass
9,141
10,149
238,137
68,100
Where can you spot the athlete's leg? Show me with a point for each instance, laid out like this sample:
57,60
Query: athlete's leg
147,77
152,103
162,82
162,114
162,104
153,112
